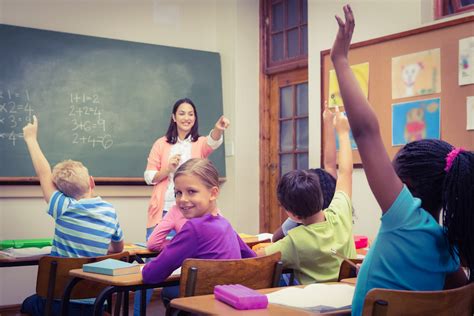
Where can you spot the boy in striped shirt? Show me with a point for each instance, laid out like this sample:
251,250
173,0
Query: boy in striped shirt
86,226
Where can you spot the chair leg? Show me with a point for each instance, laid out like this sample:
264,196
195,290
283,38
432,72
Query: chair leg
191,282
51,286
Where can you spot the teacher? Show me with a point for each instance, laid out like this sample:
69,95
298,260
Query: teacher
181,143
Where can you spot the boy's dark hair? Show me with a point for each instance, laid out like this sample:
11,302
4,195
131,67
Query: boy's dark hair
328,185
421,166
172,133
299,192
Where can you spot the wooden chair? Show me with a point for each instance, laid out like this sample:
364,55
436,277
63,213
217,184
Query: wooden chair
346,270
455,302
199,276
53,276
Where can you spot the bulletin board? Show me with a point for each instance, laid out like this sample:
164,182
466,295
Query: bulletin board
445,94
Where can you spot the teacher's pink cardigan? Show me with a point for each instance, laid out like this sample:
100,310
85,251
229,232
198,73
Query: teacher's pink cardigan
157,160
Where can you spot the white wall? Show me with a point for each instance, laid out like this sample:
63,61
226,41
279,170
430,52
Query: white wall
229,27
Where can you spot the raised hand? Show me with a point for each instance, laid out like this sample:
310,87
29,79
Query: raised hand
222,123
340,48
328,115
340,122
30,131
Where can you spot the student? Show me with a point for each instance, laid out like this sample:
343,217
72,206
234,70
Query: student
206,234
181,142
411,251
327,176
86,226
307,248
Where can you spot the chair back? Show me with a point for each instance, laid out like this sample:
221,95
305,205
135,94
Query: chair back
199,276
459,302
53,276
346,270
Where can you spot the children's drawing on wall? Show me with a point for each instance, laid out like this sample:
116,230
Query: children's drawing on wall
466,61
415,120
361,72
416,74
470,113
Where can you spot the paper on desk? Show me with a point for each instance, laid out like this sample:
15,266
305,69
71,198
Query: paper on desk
317,297
264,236
26,252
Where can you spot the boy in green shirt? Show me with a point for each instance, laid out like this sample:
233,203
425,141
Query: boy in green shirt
307,248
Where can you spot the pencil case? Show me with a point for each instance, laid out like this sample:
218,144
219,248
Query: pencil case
240,297
25,243
360,241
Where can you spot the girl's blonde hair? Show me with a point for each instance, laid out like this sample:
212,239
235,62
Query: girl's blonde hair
202,168
71,178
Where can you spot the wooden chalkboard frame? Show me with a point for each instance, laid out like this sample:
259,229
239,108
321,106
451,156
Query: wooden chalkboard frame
371,49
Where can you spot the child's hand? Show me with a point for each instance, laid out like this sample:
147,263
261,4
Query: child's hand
328,115
173,163
340,122
340,48
30,131
222,123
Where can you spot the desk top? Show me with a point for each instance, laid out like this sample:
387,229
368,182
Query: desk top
116,280
208,305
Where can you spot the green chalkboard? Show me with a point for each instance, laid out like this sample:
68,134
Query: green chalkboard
100,101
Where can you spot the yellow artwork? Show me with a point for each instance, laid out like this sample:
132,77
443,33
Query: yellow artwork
416,74
361,72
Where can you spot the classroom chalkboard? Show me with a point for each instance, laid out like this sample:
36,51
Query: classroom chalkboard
447,98
100,101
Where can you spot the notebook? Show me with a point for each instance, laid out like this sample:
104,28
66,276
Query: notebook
111,267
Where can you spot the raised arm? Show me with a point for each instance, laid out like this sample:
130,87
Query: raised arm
329,142
344,179
381,176
221,125
40,163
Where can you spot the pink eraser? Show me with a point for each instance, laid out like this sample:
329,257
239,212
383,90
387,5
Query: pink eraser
360,241
240,297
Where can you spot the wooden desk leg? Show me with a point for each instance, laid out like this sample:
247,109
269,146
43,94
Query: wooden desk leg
99,301
67,295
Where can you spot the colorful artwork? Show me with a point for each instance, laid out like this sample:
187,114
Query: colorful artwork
470,113
466,61
415,120
361,72
416,74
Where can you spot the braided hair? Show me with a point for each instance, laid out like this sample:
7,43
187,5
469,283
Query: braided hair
421,166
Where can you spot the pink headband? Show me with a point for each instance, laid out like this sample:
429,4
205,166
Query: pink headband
451,156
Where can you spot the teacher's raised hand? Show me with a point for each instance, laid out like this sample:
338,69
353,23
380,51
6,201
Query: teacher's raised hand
221,125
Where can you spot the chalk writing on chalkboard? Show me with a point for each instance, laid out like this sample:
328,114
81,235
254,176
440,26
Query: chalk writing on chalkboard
87,124
15,112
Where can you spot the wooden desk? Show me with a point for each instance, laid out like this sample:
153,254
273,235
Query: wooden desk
351,281
121,284
136,253
6,261
208,305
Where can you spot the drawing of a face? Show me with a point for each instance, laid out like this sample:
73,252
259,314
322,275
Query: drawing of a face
410,72
415,115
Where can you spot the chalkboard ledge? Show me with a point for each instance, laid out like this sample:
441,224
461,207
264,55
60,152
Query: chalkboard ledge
98,180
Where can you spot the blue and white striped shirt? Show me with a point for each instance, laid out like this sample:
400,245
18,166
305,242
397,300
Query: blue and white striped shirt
83,228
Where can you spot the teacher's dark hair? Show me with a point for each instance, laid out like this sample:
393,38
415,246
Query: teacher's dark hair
172,133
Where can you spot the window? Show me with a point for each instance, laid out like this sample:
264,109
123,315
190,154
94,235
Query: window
448,7
286,31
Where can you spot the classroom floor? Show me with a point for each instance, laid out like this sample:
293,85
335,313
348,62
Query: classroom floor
155,307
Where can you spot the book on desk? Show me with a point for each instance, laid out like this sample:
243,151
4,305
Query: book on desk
111,267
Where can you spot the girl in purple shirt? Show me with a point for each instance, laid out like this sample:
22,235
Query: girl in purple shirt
206,234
